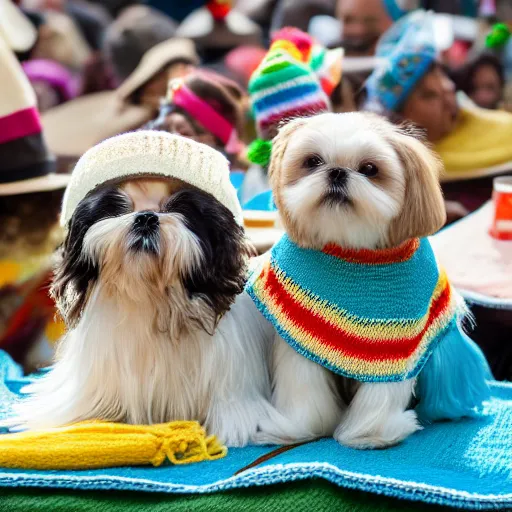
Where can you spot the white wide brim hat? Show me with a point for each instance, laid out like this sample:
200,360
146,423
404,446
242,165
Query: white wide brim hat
26,165
15,28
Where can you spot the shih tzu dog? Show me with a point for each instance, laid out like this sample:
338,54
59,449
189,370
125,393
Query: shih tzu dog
153,260
365,319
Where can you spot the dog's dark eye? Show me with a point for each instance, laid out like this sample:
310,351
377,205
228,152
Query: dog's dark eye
369,170
313,161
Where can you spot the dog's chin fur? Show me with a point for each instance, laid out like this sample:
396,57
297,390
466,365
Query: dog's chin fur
157,335
362,221
403,200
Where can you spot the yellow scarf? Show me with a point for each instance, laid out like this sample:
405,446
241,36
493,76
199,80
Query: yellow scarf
479,146
96,444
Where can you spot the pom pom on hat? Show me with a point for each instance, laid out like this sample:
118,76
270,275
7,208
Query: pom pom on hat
301,40
219,8
327,64
259,152
151,153
498,36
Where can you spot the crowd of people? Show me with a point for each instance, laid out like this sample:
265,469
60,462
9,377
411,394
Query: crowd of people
229,74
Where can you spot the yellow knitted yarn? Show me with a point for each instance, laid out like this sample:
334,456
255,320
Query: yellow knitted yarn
479,145
54,330
9,272
95,444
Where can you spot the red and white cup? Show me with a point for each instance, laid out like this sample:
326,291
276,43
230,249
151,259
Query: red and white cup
501,228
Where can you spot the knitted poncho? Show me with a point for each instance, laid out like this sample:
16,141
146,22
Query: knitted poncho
368,315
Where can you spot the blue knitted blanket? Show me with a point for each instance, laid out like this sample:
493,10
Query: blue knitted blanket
465,464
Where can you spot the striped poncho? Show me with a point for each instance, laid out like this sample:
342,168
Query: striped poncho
369,315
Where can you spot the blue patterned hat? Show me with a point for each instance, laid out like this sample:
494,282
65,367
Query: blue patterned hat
408,50
396,8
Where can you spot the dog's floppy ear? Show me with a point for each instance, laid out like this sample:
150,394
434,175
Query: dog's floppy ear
222,273
75,272
279,145
72,274
423,212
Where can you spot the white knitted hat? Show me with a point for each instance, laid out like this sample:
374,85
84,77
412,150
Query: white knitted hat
151,153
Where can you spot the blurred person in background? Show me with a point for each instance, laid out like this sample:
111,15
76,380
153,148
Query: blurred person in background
364,22
411,85
216,28
53,83
136,30
483,80
74,127
30,199
207,108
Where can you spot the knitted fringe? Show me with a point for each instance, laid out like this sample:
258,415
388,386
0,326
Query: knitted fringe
91,445
453,381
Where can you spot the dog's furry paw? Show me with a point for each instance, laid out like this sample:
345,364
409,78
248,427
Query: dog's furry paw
392,432
270,433
275,428
236,424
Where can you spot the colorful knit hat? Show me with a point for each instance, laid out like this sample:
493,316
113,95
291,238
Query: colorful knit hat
25,163
409,51
281,88
327,64
396,9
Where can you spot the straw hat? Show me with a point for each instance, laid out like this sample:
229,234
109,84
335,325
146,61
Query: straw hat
76,126
25,163
15,28
60,39
135,31
154,60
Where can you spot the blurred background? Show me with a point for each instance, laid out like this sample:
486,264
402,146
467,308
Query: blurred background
228,74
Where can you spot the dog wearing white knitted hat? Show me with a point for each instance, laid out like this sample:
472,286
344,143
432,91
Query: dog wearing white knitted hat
153,260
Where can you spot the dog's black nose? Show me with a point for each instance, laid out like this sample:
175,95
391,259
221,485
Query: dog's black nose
146,220
338,176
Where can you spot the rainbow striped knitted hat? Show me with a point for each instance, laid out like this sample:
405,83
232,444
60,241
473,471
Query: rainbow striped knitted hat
327,64
283,87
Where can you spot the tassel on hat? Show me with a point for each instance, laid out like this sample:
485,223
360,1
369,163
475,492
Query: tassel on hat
498,36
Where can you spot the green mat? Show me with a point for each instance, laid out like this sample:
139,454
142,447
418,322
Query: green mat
307,496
